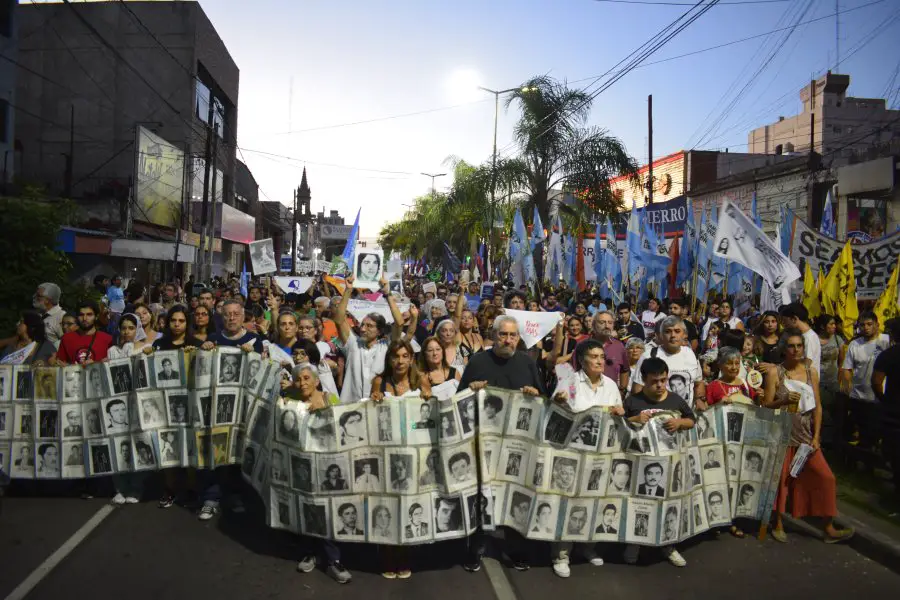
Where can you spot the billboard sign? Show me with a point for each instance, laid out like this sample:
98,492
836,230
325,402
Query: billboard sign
159,177
335,232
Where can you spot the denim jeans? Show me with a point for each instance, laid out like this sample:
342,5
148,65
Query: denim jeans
130,484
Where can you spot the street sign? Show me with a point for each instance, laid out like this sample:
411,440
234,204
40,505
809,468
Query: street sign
286,263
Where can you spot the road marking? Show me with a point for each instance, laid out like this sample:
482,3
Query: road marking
499,581
24,588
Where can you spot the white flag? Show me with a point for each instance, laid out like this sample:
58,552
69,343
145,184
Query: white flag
739,239
294,285
534,326
360,308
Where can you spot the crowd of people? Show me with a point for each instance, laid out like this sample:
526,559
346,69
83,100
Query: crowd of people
631,360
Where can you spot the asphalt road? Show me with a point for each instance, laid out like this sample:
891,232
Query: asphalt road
141,552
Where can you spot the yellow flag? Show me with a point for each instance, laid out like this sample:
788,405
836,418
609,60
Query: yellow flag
811,294
827,307
886,307
840,291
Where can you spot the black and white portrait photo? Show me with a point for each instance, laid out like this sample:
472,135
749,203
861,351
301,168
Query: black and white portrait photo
670,521
753,462
610,439
253,378
47,463
367,475
124,454
577,521
230,367
513,466
734,426
120,375
140,379
314,517
6,421
665,442
706,427
24,383
202,369
302,472
259,422
609,516
431,473
24,426
448,517
653,477
93,422
287,426
144,456
384,519
219,443
523,419
733,462
558,426
467,414
348,518
677,485
422,422
417,517
524,416
587,432
493,412
262,257
713,469
368,269
22,460
564,473
639,440
334,472
177,406
747,500
73,459
248,460
95,384
717,506
115,415
320,432
101,462
698,512
694,472
72,377
620,477
151,409
543,523
167,367
47,421
448,427
281,509
479,510
595,475
401,465
45,383
6,386
279,471
641,520
384,424
352,426
519,509
171,446
226,407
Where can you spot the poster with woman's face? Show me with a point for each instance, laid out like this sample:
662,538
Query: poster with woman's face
368,269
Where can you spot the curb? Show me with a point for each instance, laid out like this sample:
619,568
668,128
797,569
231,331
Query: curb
868,541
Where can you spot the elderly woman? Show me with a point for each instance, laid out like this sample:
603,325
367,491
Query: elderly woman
447,334
634,349
306,387
793,385
31,347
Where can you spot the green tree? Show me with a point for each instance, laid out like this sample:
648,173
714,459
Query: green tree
28,254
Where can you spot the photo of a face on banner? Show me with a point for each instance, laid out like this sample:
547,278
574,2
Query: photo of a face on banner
368,269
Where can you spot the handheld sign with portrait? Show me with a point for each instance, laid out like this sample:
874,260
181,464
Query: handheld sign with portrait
262,257
368,269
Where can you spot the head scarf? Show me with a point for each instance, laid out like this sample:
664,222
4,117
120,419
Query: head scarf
140,335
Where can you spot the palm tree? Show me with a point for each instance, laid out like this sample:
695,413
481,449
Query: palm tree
558,152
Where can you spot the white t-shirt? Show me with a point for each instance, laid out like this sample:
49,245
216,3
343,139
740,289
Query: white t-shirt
684,371
649,319
860,359
732,324
813,350
363,364
607,393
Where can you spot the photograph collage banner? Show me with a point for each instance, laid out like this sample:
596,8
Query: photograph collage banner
149,412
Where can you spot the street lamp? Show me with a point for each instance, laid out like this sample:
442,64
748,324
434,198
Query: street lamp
497,94
433,175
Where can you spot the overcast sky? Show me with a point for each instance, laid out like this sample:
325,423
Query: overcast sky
354,60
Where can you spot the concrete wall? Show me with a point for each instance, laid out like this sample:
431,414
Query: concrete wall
9,48
108,97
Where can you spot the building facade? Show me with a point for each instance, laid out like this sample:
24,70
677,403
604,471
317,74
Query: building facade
8,73
121,97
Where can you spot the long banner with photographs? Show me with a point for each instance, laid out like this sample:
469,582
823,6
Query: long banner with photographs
403,471
148,412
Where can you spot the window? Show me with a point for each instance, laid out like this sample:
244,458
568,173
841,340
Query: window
203,96
206,94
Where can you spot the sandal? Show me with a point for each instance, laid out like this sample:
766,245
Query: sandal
779,536
842,536
389,575
404,574
736,532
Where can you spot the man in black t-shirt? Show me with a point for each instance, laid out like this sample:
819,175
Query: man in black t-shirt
886,386
640,407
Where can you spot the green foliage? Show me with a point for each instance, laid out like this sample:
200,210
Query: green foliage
28,254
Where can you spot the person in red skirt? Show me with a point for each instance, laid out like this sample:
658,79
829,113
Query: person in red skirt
794,386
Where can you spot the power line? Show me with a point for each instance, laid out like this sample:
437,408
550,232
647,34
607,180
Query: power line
650,3
264,153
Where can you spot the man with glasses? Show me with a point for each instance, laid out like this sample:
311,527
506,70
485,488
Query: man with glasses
616,366
46,300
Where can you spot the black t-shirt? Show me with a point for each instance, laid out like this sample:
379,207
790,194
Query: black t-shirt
509,373
691,331
888,362
220,339
635,404
165,343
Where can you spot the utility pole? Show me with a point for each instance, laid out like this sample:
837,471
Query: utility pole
212,209
432,181
294,232
650,148
837,35
204,208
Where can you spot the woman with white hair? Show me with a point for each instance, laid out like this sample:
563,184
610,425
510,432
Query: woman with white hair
634,349
305,387
446,333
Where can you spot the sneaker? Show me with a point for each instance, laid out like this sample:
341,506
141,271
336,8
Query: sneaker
307,564
118,500
86,496
337,572
167,501
520,565
632,551
561,568
674,556
237,505
590,555
208,511
389,575
131,500
472,565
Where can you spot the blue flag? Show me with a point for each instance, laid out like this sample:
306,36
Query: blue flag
537,230
613,268
687,256
636,267
828,227
521,261
717,270
349,255
599,257
450,262
570,269
703,256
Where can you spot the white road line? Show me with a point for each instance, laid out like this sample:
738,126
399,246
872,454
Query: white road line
499,581
24,588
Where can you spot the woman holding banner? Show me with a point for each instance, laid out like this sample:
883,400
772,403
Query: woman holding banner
795,386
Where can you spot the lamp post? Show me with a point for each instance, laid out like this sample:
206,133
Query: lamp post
433,176
497,94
